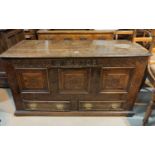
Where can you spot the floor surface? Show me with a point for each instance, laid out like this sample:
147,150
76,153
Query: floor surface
7,117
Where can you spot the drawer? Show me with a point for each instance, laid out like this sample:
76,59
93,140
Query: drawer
47,105
100,105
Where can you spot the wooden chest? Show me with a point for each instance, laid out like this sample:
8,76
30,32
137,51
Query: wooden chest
75,34
75,78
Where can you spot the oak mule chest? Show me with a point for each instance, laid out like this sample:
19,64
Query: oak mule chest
75,78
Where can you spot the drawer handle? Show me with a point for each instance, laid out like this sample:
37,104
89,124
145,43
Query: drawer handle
88,106
60,106
115,106
33,106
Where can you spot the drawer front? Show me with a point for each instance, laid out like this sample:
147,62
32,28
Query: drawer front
47,105
100,105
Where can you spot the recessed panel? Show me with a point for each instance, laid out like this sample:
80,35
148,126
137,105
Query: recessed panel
74,80
115,79
33,80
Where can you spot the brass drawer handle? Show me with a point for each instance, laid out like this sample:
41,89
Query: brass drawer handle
33,105
88,106
115,105
60,106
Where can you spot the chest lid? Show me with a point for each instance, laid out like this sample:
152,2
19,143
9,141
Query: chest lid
75,48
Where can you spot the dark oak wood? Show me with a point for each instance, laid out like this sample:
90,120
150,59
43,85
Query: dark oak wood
75,78
8,38
3,47
74,113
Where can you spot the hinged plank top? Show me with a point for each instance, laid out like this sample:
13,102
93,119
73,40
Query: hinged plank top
60,49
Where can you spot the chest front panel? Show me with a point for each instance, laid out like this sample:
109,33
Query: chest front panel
81,84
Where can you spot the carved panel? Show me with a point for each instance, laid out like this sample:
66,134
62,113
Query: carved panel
74,63
115,79
32,80
74,81
100,105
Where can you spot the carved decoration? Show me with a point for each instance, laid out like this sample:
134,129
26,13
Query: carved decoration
115,79
74,81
